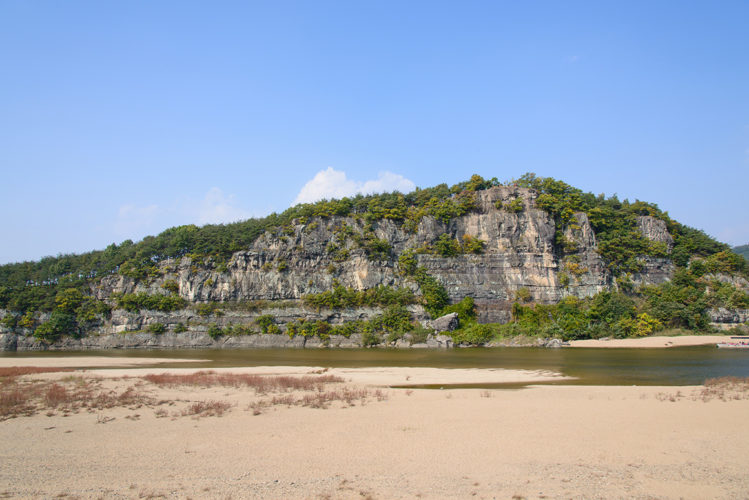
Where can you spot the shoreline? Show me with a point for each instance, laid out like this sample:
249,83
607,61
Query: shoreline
151,342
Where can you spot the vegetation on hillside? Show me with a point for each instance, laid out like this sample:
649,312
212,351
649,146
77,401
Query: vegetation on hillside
742,250
59,286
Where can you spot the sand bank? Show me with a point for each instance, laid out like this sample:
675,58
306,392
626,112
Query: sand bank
86,361
375,376
540,442
654,342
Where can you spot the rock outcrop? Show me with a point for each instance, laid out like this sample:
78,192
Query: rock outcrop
520,255
446,323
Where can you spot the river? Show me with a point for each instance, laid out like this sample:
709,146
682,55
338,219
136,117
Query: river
673,366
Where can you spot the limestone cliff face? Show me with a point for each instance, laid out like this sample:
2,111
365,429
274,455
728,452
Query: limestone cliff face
519,252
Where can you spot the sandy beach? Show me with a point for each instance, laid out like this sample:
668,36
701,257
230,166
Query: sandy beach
654,342
540,442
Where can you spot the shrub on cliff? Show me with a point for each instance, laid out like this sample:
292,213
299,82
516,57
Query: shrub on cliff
156,328
445,246
466,309
215,331
474,333
60,323
343,297
134,302
265,322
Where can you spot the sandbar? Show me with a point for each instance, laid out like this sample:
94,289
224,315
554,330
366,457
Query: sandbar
539,442
653,342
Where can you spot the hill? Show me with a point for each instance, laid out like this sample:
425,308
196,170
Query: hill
742,250
534,256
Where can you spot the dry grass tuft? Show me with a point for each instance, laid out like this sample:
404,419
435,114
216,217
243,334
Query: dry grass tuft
14,402
725,388
210,408
722,388
321,399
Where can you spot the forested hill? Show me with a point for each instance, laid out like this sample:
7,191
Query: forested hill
742,250
34,285
532,258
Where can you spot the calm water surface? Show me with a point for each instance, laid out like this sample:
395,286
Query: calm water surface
674,366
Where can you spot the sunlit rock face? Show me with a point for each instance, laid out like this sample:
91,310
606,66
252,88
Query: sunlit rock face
520,252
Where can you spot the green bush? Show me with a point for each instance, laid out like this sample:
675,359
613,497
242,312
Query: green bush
375,249
472,245
171,286
28,320
466,309
215,331
10,321
342,297
205,309
238,330
515,206
134,302
180,328
156,328
523,294
392,319
474,333
446,246
420,334
265,322
370,338
60,323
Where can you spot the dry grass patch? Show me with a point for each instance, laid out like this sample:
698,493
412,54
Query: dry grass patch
722,388
725,388
210,408
22,397
260,383
321,399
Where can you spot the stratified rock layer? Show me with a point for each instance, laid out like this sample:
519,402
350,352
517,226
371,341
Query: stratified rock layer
281,267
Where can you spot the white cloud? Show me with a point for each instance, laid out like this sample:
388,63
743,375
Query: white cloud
331,183
215,207
218,208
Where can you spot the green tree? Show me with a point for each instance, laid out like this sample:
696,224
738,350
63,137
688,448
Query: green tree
446,246
60,323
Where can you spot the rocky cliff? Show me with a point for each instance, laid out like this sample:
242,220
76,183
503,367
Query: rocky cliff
522,253
519,253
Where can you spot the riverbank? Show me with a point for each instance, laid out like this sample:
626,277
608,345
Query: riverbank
354,437
653,342
169,341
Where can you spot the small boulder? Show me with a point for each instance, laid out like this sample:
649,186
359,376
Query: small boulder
446,323
554,344
440,341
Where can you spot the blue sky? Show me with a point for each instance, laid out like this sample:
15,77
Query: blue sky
120,119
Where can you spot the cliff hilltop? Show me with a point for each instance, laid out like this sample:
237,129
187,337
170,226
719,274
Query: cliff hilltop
532,257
